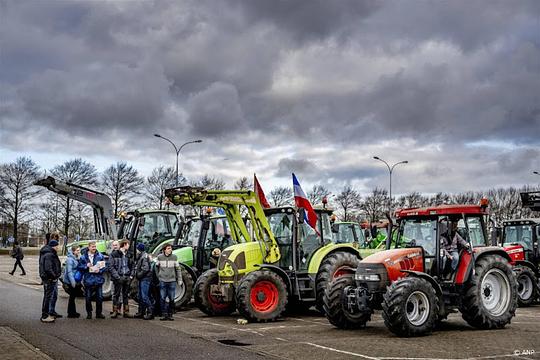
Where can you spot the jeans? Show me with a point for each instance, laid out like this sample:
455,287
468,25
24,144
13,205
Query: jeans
145,304
48,290
72,309
121,288
91,291
166,290
54,297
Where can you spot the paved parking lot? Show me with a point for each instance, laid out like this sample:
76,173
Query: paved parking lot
310,336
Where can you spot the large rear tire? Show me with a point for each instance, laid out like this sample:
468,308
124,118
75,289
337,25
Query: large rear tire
183,292
333,266
204,300
490,298
261,296
410,307
526,285
335,306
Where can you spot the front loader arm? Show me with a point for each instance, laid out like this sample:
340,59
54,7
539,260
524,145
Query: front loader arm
230,201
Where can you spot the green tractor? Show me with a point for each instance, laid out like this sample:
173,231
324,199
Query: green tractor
105,227
289,262
351,232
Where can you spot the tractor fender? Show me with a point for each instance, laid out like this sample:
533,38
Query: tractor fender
322,253
464,275
190,271
429,279
527,264
280,272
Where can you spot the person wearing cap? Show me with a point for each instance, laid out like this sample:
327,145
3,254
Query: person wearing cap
49,272
143,273
169,274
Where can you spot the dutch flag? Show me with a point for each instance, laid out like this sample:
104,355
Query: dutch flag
302,201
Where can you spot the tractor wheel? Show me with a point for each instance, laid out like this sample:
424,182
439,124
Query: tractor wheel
107,286
410,307
526,285
331,268
335,307
261,296
204,300
490,297
183,292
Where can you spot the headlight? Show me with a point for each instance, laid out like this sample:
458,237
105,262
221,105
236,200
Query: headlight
367,277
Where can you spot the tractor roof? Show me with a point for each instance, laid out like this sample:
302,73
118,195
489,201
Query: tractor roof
531,221
442,210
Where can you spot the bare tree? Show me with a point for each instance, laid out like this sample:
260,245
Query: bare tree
243,184
79,172
121,182
374,204
317,194
281,196
210,183
161,179
16,181
412,200
347,201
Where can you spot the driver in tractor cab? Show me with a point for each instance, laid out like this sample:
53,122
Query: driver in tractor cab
450,248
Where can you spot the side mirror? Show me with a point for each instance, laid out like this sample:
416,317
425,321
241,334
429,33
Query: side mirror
335,228
301,215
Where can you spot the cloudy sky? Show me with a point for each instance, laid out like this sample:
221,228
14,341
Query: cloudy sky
316,87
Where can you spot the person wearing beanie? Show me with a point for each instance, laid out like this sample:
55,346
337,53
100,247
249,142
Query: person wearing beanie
49,272
169,274
143,273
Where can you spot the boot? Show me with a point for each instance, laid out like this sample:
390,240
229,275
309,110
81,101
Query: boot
149,315
89,316
170,317
11,273
126,312
114,312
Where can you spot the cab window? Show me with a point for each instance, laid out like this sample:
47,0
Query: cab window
418,232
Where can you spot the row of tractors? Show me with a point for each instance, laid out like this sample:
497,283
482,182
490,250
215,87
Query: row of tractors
261,262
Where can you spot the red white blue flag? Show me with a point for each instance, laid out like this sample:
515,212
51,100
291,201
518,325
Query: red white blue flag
302,201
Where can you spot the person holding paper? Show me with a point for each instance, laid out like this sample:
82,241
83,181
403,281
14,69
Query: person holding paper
92,265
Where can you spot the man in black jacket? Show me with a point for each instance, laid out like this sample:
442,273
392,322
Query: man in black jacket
49,272
143,272
121,269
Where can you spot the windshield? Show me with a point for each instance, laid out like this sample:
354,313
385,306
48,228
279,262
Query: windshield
518,234
418,232
281,225
324,219
192,236
349,233
156,228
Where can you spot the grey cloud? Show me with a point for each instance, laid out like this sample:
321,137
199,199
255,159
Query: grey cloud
299,166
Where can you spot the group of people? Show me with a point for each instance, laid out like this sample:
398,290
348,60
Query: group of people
85,271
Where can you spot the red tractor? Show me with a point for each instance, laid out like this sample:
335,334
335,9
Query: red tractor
415,283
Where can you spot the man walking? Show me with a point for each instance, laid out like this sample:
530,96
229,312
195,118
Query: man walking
121,267
18,255
169,273
143,272
92,265
49,272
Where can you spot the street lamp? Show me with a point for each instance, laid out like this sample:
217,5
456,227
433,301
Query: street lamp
177,150
536,172
390,170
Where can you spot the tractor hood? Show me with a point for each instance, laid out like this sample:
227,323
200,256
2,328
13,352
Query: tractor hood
394,261
101,245
184,255
239,259
516,252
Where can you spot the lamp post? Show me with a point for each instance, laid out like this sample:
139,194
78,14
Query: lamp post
536,172
390,170
177,150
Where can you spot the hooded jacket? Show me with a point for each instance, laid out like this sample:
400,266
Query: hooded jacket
71,266
120,265
49,264
143,269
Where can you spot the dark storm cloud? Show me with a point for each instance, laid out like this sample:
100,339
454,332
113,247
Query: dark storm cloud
362,75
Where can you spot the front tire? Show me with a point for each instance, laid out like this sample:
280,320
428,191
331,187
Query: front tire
335,306
261,296
490,299
183,292
208,304
410,307
334,266
526,285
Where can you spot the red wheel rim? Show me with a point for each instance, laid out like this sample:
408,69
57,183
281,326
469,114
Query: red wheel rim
264,296
340,272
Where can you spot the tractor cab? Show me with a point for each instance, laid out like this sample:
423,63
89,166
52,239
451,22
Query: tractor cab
425,229
522,233
286,227
349,233
153,228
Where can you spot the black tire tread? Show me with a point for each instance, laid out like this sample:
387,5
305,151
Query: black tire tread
202,285
333,308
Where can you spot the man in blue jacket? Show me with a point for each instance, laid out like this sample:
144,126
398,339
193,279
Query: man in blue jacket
92,265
